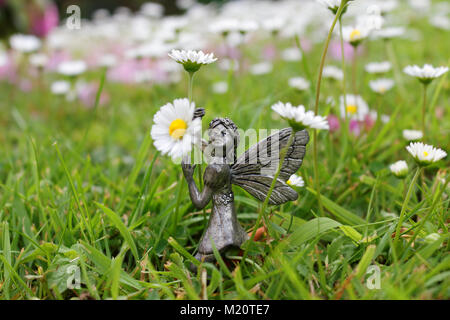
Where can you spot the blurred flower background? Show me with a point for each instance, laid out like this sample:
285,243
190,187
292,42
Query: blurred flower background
82,180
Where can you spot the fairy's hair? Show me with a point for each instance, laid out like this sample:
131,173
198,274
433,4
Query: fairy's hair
231,126
226,122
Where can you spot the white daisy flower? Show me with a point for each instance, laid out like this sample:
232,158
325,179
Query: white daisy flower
371,20
174,130
225,26
273,25
296,181
399,169
38,60
261,68
3,59
332,5
425,74
381,85
72,68
440,21
412,135
333,72
378,67
420,4
220,87
425,154
355,35
356,107
24,43
192,60
299,83
291,54
152,10
247,26
384,117
298,118
152,49
107,61
389,33
227,64
386,6
185,4
60,87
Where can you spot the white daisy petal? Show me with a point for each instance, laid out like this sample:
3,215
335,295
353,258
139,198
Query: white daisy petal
174,132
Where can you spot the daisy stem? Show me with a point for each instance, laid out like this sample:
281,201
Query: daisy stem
391,55
269,193
303,59
354,69
344,89
190,85
316,105
199,172
177,205
405,204
424,106
324,54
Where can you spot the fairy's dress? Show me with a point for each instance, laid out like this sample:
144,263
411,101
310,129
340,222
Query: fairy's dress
223,227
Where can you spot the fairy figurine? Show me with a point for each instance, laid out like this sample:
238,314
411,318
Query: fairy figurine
253,171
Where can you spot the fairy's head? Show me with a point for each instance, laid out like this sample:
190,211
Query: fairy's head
223,136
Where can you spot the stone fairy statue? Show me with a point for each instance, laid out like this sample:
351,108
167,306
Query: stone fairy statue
253,171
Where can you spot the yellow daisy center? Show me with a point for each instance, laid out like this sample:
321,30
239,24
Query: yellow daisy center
351,108
177,128
425,154
382,89
289,182
355,35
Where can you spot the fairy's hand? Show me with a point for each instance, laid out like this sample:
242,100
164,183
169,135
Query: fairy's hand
188,170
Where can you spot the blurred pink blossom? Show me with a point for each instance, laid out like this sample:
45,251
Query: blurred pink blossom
369,122
306,44
335,50
333,122
124,72
227,51
56,58
269,52
8,70
42,22
88,92
25,85
355,127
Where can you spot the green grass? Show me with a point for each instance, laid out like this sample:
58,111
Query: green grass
86,188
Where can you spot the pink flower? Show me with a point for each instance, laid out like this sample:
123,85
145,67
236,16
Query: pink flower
25,85
42,22
124,72
369,122
306,44
355,127
333,122
227,51
8,70
335,50
269,52
56,58
87,94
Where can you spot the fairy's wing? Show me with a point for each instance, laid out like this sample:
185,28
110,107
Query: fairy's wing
254,171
